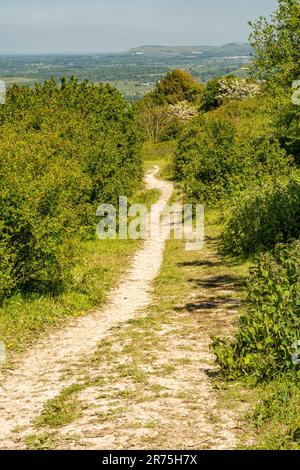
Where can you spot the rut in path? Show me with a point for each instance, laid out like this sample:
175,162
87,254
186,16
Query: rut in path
37,378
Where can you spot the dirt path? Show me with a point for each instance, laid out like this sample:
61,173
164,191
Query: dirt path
37,378
139,374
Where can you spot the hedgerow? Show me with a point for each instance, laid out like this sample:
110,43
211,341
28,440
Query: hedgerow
64,149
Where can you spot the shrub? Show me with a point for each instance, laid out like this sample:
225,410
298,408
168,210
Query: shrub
263,217
217,159
64,150
229,88
205,158
210,95
177,86
262,347
41,205
182,111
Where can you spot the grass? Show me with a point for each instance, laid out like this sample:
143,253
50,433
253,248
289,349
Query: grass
24,318
62,410
42,441
158,154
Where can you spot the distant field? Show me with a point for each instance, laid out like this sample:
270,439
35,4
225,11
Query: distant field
131,88
20,80
133,72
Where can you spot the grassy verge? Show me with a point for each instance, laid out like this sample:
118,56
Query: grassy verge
24,318
271,419
158,154
275,419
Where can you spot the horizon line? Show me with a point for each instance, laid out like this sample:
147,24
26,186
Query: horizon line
51,53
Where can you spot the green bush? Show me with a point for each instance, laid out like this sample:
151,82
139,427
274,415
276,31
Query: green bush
177,86
42,199
262,347
217,159
262,218
64,150
227,89
205,158
287,119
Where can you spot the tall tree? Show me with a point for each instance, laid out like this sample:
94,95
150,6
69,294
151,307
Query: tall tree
176,86
277,44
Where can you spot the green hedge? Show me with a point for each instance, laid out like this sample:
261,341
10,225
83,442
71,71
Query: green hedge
64,149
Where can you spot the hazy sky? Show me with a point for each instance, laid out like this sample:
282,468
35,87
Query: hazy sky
115,25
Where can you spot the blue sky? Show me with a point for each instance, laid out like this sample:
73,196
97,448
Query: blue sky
37,26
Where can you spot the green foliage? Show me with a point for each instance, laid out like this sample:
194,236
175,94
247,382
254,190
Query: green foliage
265,221
287,122
228,88
159,117
263,217
262,347
210,95
218,157
204,160
177,86
64,150
277,44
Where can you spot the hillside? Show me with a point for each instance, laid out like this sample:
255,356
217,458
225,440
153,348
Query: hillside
133,72
226,51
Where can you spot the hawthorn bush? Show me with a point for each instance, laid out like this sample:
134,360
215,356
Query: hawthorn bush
229,88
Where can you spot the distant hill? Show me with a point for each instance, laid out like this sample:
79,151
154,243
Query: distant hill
228,50
133,72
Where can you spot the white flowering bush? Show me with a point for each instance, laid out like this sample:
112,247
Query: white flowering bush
183,111
237,89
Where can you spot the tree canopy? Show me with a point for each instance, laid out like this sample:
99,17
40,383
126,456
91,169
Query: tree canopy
177,86
277,44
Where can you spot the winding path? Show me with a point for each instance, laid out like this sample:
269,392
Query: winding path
38,376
